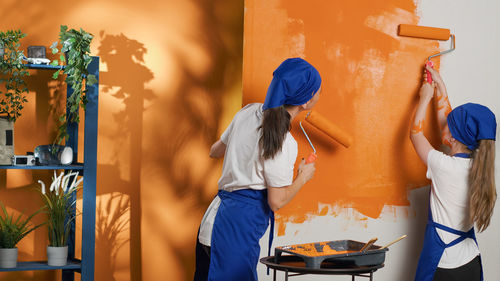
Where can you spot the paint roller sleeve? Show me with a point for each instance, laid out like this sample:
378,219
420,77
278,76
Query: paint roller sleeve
322,124
423,32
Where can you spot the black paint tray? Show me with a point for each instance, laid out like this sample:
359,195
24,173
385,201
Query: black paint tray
340,252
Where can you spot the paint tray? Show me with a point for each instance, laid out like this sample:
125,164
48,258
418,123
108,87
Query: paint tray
341,253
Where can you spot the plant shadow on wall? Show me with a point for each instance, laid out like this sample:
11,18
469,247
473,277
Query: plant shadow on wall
125,81
111,215
190,121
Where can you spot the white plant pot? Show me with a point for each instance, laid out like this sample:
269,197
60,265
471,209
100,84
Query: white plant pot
6,141
57,256
8,258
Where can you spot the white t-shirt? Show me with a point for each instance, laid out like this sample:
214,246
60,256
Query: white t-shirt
449,205
243,166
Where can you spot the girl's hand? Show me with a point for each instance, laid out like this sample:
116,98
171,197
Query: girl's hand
426,91
306,171
434,74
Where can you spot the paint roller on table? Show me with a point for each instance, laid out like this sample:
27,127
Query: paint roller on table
427,32
330,129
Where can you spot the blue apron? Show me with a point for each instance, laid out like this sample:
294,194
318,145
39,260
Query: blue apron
434,247
242,219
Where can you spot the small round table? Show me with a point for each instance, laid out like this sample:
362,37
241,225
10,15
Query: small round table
294,266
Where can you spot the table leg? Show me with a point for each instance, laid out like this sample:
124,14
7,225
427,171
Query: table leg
371,276
274,274
286,275
353,277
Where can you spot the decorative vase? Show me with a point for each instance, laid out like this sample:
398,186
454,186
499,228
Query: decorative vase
8,257
57,256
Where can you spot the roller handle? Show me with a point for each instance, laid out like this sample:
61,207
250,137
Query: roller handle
311,158
427,73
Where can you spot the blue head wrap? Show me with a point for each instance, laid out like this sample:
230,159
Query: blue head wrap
472,122
294,82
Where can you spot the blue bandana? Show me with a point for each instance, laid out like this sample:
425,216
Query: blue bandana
472,122
294,82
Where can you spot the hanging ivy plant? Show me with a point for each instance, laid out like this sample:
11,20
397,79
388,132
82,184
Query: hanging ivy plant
75,54
12,76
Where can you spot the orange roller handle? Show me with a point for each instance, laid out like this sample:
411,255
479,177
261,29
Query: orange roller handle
322,124
428,75
311,158
425,32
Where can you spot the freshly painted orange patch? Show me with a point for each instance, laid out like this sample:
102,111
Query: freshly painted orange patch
370,88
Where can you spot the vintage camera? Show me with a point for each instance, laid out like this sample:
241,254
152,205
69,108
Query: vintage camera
23,160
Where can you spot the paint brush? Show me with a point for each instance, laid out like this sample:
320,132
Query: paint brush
368,245
400,238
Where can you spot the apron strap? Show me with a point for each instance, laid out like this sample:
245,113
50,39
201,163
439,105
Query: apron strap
271,234
463,235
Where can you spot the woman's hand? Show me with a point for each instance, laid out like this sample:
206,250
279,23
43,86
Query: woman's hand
277,197
306,171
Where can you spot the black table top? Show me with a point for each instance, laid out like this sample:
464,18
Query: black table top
296,264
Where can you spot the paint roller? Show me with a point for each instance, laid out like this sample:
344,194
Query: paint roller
427,32
330,129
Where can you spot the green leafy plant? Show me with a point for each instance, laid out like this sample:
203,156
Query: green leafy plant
61,206
75,53
12,230
12,72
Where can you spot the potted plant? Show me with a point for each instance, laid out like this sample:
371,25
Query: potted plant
12,230
75,53
13,90
61,210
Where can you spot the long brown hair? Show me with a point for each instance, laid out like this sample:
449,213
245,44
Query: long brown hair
275,126
482,190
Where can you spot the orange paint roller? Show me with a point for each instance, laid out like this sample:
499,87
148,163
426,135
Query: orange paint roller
330,129
327,127
427,32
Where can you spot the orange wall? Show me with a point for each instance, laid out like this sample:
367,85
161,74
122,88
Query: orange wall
370,82
170,83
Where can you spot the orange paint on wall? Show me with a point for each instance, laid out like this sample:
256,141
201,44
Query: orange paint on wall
370,87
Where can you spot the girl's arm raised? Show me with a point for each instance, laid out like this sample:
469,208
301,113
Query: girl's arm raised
417,137
443,107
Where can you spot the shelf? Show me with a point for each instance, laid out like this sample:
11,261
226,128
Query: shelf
42,265
44,66
85,266
77,166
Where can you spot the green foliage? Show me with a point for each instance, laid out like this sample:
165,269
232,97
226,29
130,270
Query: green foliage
61,207
12,230
12,71
75,52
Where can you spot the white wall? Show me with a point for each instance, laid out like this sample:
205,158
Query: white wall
471,75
